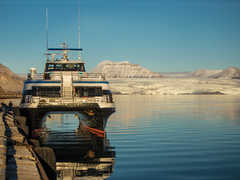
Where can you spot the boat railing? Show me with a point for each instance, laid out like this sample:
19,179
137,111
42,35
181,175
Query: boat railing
62,100
58,76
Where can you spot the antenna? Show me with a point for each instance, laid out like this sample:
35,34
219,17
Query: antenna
79,55
47,28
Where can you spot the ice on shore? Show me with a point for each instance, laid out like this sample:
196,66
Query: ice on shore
127,78
175,86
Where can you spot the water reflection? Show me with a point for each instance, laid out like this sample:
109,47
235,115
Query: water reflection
79,154
146,107
176,137
94,158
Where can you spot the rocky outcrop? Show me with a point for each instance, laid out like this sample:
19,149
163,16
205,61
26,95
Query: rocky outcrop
10,83
124,69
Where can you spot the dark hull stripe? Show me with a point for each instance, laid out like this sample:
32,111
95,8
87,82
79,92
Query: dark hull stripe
102,82
32,82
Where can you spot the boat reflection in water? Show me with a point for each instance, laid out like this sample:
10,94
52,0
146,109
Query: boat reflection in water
93,159
80,154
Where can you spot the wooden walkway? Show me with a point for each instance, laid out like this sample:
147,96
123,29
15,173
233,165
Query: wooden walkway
17,159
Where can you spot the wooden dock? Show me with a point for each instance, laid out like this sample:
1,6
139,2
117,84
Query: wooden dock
17,158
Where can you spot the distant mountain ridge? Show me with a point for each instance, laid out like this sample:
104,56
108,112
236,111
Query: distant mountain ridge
228,73
124,69
205,73
9,81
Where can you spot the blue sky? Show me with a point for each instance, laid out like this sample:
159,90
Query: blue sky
162,35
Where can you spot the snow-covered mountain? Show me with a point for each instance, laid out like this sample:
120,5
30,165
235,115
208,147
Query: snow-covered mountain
124,69
229,73
205,73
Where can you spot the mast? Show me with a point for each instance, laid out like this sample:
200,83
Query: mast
47,29
65,49
79,55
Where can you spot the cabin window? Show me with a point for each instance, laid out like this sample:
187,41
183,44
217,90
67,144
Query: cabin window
58,67
65,67
27,92
88,91
108,94
50,67
46,91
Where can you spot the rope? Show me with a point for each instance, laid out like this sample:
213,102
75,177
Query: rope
98,132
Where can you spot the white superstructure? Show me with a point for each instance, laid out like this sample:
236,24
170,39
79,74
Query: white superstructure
65,82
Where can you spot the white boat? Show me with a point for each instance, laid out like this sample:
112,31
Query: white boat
66,86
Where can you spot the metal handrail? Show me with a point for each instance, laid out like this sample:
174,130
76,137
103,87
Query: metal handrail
58,76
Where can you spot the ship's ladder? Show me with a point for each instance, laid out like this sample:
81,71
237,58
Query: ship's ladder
67,89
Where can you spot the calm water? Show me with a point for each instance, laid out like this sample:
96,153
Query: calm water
159,137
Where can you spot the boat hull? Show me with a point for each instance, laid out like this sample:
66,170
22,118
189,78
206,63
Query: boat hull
94,116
